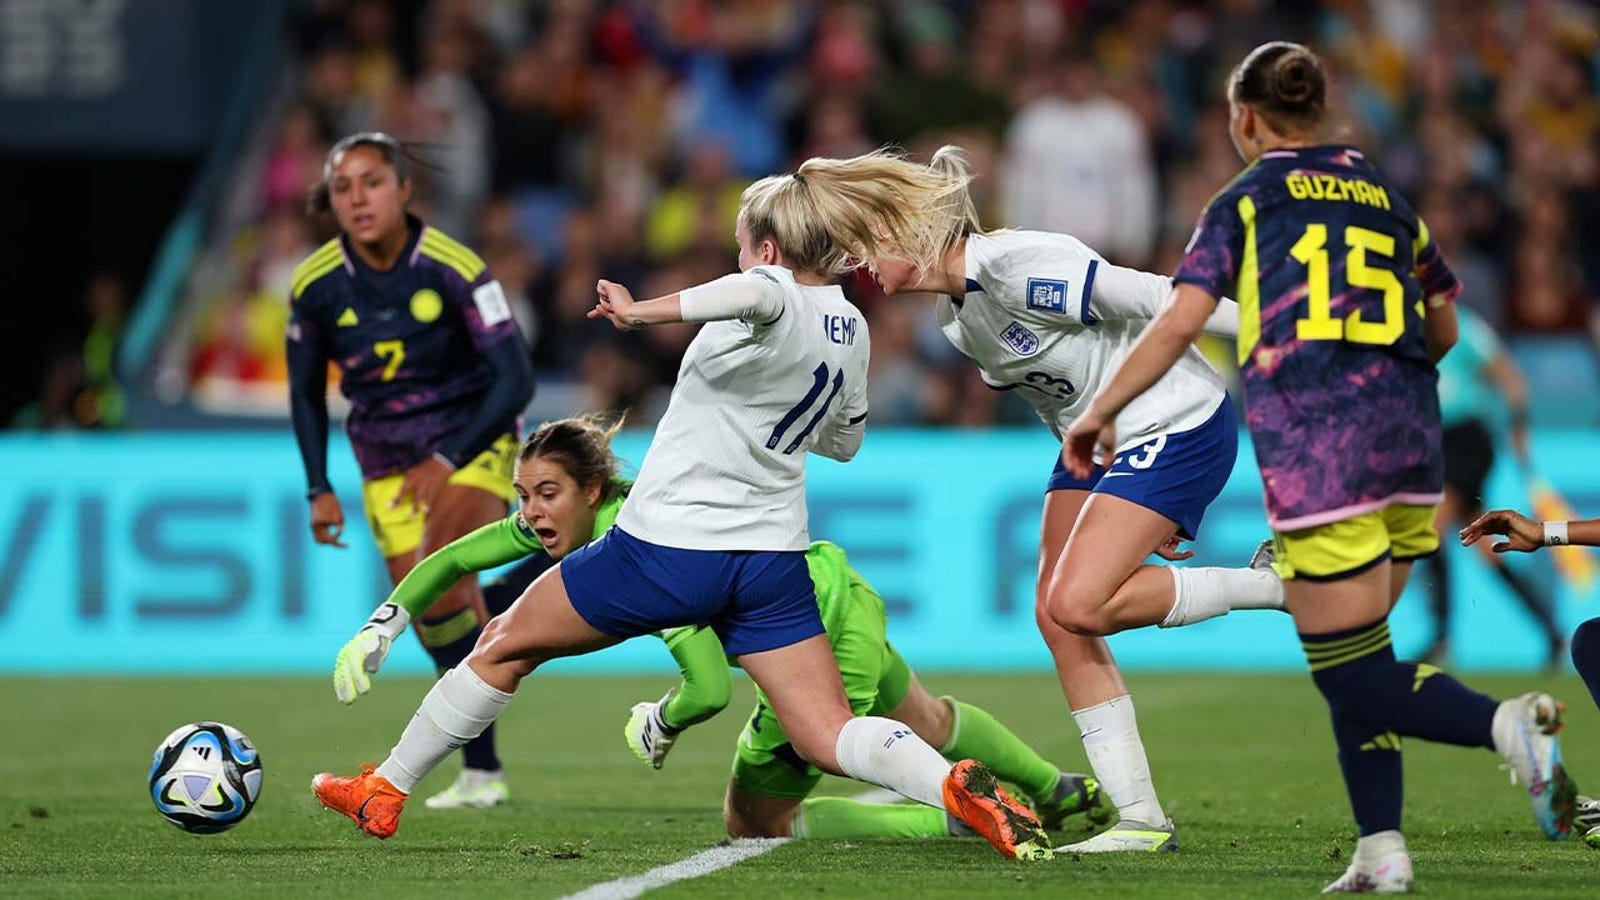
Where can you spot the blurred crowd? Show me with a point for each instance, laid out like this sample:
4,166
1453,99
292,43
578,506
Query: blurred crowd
574,139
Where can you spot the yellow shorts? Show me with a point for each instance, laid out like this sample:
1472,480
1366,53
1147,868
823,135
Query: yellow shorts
1341,549
398,530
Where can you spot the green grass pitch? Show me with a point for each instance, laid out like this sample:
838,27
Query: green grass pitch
1244,763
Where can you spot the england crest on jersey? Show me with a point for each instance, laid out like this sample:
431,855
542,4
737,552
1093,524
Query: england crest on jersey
1020,339
1047,294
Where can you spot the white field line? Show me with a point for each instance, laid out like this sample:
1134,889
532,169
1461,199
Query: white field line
704,862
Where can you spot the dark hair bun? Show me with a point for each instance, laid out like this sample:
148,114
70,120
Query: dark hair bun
1296,79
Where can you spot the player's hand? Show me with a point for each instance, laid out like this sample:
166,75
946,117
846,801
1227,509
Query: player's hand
327,519
422,484
1091,433
364,654
1170,550
615,304
648,734
1521,532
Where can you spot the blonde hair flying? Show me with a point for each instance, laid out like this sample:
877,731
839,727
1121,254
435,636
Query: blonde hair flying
882,205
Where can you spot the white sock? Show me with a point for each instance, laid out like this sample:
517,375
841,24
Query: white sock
1111,740
1205,592
1376,846
1503,727
458,708
889,754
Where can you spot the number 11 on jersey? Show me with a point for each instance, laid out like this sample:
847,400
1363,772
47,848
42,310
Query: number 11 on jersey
819,380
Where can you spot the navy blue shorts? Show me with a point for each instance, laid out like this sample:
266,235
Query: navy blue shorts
1176,475
754,600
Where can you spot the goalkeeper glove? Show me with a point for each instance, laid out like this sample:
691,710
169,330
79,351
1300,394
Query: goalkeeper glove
648,734
365,653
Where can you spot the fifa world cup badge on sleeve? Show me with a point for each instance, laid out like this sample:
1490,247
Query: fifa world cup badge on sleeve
1047,294
491,303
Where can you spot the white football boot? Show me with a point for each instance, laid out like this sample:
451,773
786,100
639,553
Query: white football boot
1524,733
472,789
1389,873
1129,837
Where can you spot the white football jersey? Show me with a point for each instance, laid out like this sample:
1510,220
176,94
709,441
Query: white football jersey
726,470
1045,315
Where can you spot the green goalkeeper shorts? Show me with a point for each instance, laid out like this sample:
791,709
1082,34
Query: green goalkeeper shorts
876,680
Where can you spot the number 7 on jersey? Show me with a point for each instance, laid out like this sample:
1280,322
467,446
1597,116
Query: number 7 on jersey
819,380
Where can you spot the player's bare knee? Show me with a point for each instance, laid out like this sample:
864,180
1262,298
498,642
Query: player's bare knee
494,640
1081,605
499,647
1084,619
819,750
1084,622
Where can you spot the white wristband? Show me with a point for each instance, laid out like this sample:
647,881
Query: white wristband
1555,534
389,619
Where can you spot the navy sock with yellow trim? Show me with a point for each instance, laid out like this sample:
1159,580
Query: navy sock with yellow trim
1373,777
1356,670
1369,756
1375,700
449,640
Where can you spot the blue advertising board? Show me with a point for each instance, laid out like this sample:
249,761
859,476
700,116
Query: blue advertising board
190,553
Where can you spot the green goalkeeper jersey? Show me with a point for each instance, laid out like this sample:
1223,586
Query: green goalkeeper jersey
496,544
707,686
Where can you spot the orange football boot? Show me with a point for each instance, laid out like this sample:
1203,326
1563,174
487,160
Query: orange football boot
368,799
972,795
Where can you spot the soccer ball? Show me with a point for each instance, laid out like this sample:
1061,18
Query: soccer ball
206,777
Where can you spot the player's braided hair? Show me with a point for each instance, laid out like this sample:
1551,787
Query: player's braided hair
582,446
1285,84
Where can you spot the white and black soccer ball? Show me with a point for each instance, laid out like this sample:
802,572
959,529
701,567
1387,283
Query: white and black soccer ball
206,777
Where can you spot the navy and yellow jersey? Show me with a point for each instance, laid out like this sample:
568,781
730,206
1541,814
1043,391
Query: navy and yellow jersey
1333,272
430,356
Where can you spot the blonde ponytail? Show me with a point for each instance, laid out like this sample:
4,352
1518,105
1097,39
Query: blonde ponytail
781,208
951,162
881,204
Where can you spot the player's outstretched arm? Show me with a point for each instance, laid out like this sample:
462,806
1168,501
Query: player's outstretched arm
752,297
706,689
1524,534
362,656
617,306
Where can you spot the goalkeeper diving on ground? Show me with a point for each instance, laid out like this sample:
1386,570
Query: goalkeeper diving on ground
570,493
